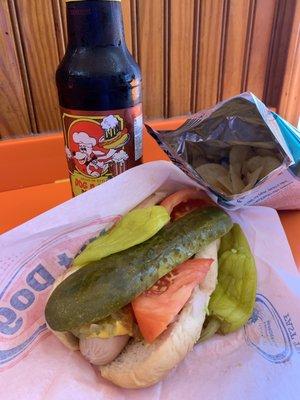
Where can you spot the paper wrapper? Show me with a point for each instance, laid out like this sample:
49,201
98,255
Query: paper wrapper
260,361
243,119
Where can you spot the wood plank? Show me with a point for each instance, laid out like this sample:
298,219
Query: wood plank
181,41
289,106
279,52
134,30
63,11
126,10
195,55
59,27
235,47
41,54
150,16
209,56
260,46
14,115
22,65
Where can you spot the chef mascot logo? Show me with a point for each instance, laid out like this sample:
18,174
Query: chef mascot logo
95,150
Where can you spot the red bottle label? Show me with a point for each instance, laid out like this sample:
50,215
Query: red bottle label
101,145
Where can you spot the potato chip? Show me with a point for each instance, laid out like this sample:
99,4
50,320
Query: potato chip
255,162
239,169
211,173
236,167
244,171
200,161
270,163
265,152
225,184
252,178
267,163
237,158
236,178
238,154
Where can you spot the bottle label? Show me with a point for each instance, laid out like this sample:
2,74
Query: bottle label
101,145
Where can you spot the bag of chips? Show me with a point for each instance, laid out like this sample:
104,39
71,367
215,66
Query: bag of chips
240,152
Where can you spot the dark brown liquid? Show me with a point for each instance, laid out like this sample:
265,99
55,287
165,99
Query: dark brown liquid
97,71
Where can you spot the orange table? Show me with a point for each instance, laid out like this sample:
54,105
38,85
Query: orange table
34,179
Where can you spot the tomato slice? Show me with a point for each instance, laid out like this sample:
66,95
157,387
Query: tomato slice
185,201
156,308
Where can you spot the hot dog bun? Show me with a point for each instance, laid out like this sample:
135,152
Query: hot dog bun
141,364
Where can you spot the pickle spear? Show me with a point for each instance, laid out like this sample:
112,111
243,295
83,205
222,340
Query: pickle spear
105,286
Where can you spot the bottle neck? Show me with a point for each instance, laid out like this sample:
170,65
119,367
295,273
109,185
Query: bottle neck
95,23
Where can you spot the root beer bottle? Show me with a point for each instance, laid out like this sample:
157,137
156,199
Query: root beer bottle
99,88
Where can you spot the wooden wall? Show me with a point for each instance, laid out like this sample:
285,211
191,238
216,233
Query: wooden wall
193,53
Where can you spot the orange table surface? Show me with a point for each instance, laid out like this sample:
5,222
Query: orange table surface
42,182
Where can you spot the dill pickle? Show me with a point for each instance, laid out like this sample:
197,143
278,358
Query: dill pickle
103,287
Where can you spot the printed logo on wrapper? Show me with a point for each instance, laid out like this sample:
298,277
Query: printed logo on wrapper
267,333
23,295
101,145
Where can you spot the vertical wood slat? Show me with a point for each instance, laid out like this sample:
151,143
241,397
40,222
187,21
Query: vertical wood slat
37,28
279,50
22,65
59,27
235,48
181,21
126,9
166,57
289,106
63,13
151,55
209,55
134,29
14,113
195,55
261,37
248,43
